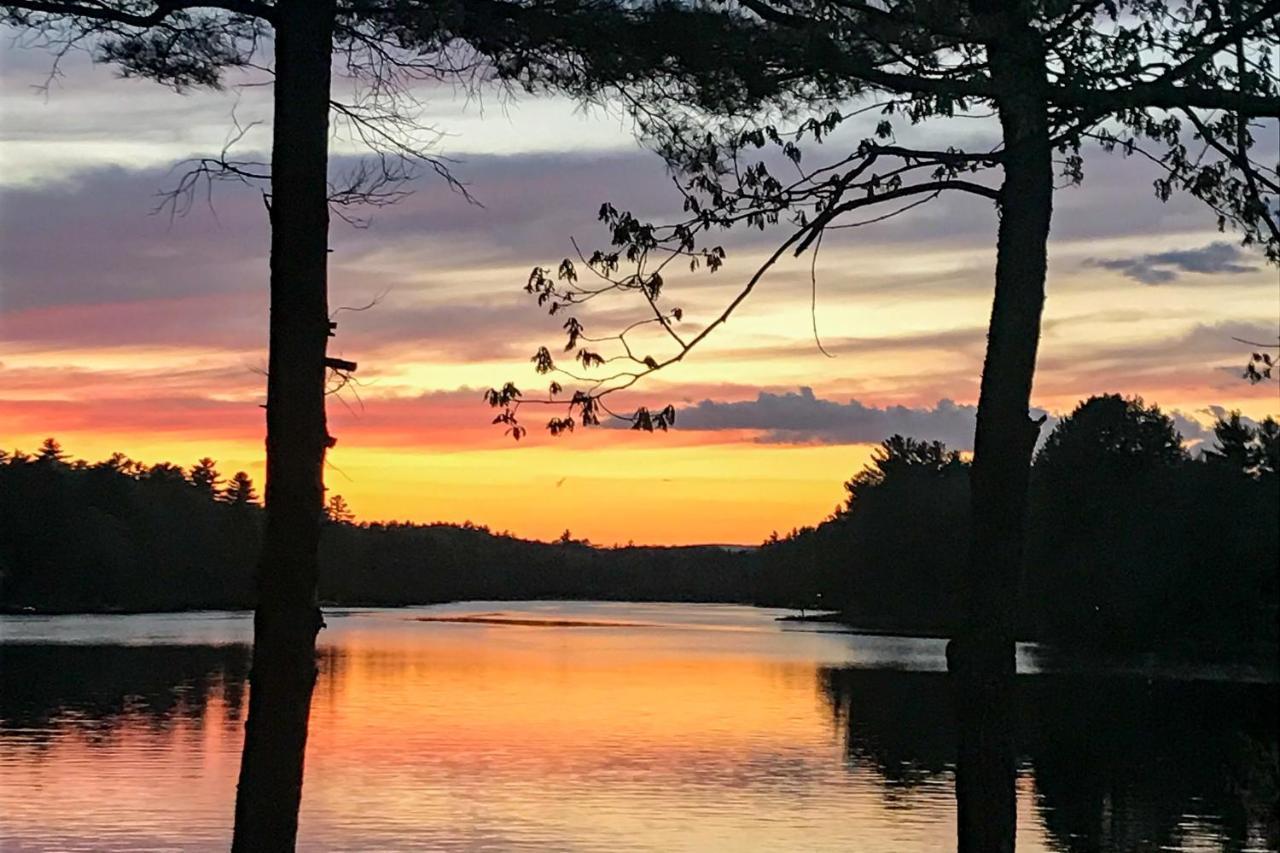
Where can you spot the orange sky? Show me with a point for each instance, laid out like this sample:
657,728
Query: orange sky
124,331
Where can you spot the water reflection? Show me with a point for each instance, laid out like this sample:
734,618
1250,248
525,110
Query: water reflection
709,730
1117,763
47,690
118,747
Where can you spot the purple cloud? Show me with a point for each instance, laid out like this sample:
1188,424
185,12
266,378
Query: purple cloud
1217,258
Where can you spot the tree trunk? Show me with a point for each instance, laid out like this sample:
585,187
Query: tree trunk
287,617
981,657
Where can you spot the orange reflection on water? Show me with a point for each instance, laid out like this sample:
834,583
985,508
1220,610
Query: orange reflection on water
708,730
676,738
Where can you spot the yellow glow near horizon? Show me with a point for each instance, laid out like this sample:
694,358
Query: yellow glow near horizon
647,491
725,493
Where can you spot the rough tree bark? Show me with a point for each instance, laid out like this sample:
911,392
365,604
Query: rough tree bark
981,658
287,617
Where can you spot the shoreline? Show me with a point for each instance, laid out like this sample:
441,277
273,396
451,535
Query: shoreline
1262,655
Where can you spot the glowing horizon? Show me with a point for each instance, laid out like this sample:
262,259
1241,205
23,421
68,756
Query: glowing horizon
122,331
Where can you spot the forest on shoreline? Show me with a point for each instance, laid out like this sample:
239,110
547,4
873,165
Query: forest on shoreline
122,536
1134,542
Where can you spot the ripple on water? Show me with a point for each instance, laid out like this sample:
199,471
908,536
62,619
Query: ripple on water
601,727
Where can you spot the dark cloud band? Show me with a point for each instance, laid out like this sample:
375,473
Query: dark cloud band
801,417
1217,258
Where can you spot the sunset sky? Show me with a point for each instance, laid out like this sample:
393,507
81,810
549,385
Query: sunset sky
123,330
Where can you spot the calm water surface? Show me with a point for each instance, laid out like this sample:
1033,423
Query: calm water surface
635,727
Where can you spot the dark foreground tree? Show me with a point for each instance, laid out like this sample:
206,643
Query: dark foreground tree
1184,85
183,44
386,48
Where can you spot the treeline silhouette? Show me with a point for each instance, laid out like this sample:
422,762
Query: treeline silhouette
1133,541
118,535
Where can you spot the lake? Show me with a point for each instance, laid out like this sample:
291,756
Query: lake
582,726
